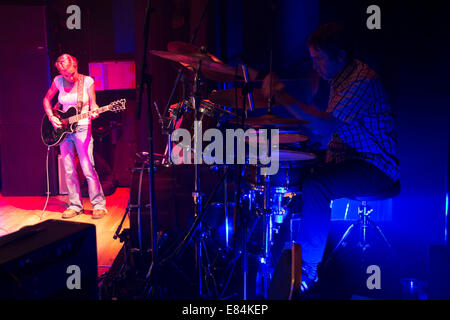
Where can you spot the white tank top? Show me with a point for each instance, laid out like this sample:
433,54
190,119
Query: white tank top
68,99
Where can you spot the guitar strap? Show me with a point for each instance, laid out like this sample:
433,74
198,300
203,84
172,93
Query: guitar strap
80,93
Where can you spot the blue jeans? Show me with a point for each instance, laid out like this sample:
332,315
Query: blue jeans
332,181
82,142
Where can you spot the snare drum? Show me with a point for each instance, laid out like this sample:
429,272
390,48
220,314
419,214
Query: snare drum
290,175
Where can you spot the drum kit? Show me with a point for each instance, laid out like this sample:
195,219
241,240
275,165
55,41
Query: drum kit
224,218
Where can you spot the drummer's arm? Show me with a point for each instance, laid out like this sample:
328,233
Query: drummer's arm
322,124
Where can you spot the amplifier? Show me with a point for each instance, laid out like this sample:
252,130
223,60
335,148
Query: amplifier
53,259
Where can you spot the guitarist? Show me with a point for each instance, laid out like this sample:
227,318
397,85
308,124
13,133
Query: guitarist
76,89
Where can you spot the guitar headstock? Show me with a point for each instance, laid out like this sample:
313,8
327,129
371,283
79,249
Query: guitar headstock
117,105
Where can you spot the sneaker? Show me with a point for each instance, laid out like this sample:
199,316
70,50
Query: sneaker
309,276
70,213
98,213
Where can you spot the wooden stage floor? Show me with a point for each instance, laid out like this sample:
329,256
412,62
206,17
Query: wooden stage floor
17,212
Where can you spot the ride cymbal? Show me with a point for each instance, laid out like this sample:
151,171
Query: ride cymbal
210,69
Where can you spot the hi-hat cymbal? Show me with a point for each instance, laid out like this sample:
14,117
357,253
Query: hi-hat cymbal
209,68
272,120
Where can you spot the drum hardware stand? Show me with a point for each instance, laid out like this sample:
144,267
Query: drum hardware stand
238,213
117,234
246,94
181,70
267,235
267,215
225,207
197,194
363,222
267,212
196,226
167,125
166,129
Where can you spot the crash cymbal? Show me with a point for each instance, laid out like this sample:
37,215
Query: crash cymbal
272,120
230,97
184,47
210,69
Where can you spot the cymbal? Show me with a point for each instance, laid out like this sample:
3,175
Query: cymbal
228,97
185,47
272,120
211,69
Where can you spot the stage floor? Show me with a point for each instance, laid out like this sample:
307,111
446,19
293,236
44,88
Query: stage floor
17,212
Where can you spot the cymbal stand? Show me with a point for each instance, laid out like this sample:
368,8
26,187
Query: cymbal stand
267,215
146,81
181,70
167,127
267,236
197,195
238,212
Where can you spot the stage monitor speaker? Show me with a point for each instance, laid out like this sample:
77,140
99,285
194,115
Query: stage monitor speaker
53,259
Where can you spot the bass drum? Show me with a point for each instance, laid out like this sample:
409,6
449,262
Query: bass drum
174,202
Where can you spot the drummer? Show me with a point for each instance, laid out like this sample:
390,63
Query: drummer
358,131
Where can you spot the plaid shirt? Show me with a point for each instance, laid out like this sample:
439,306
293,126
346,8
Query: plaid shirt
358,99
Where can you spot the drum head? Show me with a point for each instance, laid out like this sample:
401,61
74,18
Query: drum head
290,155
287,138
284,137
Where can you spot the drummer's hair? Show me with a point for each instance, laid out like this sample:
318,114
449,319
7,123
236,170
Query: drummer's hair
332,38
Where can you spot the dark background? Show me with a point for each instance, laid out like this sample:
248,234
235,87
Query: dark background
410,53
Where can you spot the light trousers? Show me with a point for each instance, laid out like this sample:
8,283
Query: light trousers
81,141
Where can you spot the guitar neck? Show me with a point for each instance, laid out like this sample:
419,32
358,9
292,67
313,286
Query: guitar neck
81,116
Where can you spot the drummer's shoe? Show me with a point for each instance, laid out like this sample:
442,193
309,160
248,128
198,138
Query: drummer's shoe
98,213
309,278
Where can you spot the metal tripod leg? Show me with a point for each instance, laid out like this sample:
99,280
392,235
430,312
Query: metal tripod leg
340,244
381,234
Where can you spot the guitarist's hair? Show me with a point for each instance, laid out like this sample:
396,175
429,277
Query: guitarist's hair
65,61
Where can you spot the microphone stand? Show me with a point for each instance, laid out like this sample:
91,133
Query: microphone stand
146,80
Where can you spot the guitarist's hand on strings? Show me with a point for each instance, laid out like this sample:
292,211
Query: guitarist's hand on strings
55,122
